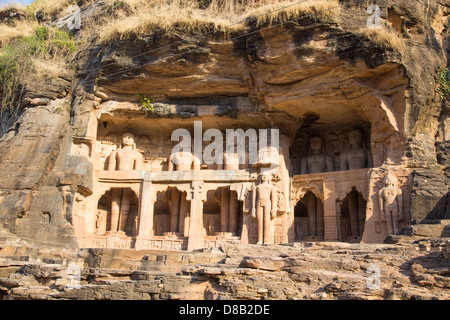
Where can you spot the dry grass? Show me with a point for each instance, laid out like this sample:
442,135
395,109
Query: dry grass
221,15
20,29
385,36
318,9
52,68
49,6
12,5
139,17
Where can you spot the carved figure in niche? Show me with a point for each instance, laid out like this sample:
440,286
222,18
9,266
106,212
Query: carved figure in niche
390,200
81,150
358,156
316,161
264,200
127,157
100,222
211,227
46,217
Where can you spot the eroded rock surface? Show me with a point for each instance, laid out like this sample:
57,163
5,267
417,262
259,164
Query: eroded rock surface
316,271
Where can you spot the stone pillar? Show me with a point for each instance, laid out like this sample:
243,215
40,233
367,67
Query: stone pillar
183,228
312,214
174,210
124,208
196,196
116,197
234,212
146,208
225,210
338,219
361,214
330,211
245,226
353,209
320,219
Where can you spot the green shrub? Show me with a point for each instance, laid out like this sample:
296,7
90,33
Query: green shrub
16,61
145,102
443,82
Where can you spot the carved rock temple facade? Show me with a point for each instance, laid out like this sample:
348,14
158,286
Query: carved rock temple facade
363,136
333,182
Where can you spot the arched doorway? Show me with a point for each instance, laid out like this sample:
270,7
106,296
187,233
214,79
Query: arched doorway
117,212
309,219
230,209
353,217
171,211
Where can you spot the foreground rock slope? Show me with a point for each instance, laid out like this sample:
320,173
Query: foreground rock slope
412,269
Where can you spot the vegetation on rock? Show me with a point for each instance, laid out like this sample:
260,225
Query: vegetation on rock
443,82
43,54
145,102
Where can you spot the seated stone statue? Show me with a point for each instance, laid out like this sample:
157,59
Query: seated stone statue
316,161
358,156
230,161
126,157
183,160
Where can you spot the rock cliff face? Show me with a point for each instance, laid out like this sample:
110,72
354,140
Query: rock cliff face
312,75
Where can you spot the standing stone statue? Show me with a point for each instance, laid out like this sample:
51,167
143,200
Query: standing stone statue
126,158
390,200
264,201
100,223
316,161
358,156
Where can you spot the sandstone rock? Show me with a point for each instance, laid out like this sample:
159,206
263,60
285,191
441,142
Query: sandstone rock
426,230
66,177
222,281
39,101
446,251
263,264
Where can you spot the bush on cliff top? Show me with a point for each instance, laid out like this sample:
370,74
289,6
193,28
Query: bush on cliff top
42,54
